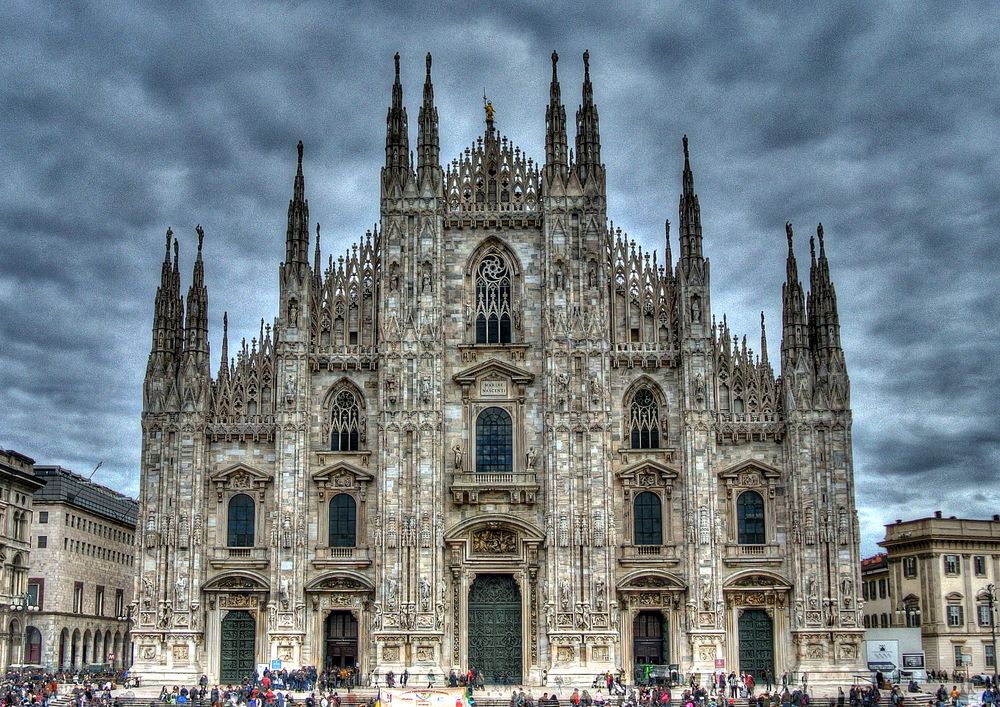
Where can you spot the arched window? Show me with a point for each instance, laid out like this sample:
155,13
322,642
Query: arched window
494,441
643,421
493,305
648,525
241,521
343,521
345,422
750,518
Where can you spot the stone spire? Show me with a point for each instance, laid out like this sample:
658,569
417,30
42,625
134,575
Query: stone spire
763,342
178,304
824,318
428,143
164,307
196,328
223,373
397,140
297,235
793,317
555,129
668,260
690,218
588,134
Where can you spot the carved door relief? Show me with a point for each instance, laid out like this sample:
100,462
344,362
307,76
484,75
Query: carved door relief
238,647
494,627
756,636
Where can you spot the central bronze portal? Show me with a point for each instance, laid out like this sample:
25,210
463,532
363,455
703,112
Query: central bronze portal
495,628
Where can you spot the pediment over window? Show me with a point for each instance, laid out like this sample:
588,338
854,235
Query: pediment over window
341,581
953,596
240,476
650,579
750,473
237,581
342,476
493,369
757,580
648,473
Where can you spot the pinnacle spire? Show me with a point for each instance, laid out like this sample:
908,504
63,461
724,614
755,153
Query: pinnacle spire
794,326
555,127
690,215
196,325
763,341
397,141
588,134
224,359
316,258
824,315
669,253
297,233
428,141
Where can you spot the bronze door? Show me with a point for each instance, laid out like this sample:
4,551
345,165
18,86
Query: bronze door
756,643
495,628
340,631
237,647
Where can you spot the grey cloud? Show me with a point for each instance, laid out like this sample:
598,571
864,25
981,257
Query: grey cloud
876,120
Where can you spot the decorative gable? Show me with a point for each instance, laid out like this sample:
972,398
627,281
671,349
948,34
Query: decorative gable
750,474
342,476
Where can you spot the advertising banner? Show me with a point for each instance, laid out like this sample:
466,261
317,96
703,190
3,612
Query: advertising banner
882,655
429,697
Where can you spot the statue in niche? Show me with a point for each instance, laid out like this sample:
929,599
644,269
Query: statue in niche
695,309
564,592
532,457
425,594
559,277
180,589
458,452
293,313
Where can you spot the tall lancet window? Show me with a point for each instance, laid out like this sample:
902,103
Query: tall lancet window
493,306
345,422
644,421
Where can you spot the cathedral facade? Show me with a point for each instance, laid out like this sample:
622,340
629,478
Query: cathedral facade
497,433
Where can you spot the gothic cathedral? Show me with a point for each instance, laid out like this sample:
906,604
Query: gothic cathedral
497,433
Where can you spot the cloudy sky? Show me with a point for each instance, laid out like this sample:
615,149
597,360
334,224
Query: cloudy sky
878,119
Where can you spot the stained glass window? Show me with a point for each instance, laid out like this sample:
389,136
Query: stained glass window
493,305
648,528
343,521
644,421
345,422
750,518
241,521
494,441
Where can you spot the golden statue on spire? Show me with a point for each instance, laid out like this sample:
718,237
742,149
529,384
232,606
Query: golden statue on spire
489,112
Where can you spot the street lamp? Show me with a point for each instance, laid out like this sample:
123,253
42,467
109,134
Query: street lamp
20,605
991,598
909,614
128,618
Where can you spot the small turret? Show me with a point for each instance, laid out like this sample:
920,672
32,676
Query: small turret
555,129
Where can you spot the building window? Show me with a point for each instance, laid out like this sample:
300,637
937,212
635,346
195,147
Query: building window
43,516
867,621
648,519
910,567
343,521
884,620
241,521
493,305
979,565
983,614
99,601
955,615
35,593
991,657
750,518
494,441
951,565
119,602
643,421
43,541
959,656
78,597
882,587
345,422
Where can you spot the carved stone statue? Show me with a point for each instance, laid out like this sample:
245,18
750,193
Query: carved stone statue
457,451
532,457
425,594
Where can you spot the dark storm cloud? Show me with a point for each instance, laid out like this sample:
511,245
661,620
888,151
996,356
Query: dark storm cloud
878,120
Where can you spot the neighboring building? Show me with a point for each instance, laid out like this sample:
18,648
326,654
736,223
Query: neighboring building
939,571
82,572
497,433
876,592
18,485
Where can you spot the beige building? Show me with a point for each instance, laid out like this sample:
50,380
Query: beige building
497,433
18,485
940,573
876,592
82,572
